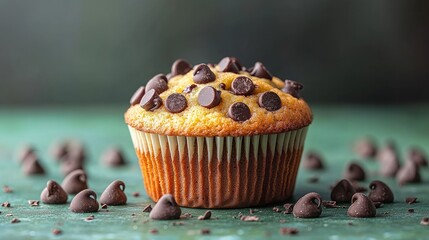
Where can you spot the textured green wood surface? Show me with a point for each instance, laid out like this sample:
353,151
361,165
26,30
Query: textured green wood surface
333,132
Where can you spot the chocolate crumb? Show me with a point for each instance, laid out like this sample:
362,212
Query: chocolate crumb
411,210
276,209
424,221
249,218
411,200
153,231
104,206
350,223
205,231
331,204
15,220
282,220
89,218
222,86
57,231
178,223
207,215
186,215
5,204
288,208
189,88
136,194
148,208
7,189
288,231
33,203
251,211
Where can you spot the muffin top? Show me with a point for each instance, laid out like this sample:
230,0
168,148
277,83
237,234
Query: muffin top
226,99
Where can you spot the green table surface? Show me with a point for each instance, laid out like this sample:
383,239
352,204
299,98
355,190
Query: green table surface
333,132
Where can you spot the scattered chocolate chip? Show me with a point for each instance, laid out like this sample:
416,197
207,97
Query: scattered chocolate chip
361,207
313,179
85,201
180,67
148,208
153,231
151,101
424,221
222,86
5,204
409,173
260,71
136,194
189,88
292,88
245,218
276,209
58,150
15,220
365,148
288,231
288,208
389,160
239,112
411,210
209,97
176,103
343,191
313,161
242,86
24,152
207,215
137,96
418,156
270,101
114,194
308,206
57,231
7,189
113,157
75,182
411,200
158,83
53,193
205,231
166,208
355,172
203,74
227,64
380,192
33,203
32,166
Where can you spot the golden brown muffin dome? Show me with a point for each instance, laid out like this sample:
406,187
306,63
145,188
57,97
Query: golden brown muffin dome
218,100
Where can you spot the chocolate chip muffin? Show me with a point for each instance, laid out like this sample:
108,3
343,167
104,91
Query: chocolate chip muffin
219,136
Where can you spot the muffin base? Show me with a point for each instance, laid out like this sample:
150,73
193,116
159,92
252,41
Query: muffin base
220,172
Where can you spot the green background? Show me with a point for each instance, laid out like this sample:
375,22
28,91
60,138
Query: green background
333,132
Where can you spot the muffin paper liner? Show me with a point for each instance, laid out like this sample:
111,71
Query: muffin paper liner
220,172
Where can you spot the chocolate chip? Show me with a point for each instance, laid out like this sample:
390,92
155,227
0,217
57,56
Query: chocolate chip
380,192
424,221
342,192
207,215
365,148
32,166
209,97
176,103
354,172
270,101
189,88
245,218
288,208
24,152
137,96
57,231
313,161
418,156
361,207
7,189
260,71
85,201
222,86
113,157
292,88
239,112
151,101
203,74
242,86
411,200
15,220
409,173
166,208
33,203
288,231
308,206
158,83
389,160
114,194
148,208
180,67
75,182
228,64
358,187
